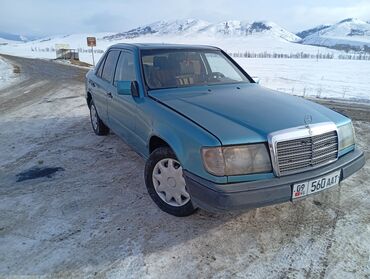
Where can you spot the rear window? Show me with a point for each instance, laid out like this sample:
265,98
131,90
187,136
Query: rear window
100,66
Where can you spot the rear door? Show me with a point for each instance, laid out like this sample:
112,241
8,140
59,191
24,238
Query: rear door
103,84
122,108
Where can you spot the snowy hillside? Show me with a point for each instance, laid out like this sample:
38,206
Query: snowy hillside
161,28
312,31
8,37
5,41
234,36
196,27
347,34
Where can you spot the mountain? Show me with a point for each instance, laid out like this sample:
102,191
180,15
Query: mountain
11,37
160,28
8,37
348,34
309,32
196,27
236,28
239,38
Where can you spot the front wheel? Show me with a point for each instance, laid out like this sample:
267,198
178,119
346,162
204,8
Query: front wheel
166,184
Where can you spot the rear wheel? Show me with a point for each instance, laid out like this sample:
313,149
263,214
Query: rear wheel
98,126
166,184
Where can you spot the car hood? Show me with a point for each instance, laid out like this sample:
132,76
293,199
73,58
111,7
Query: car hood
243,113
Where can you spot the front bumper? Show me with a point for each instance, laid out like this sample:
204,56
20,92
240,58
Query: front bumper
234,196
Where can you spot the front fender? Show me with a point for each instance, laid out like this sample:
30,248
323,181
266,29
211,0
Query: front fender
186,139
172,140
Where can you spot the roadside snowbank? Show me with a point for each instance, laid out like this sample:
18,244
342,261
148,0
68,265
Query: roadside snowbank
7,76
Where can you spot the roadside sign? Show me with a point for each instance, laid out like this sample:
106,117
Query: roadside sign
91,41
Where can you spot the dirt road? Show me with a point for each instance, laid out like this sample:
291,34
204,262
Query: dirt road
88,213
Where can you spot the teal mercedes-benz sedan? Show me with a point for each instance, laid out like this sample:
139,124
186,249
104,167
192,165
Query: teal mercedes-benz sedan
212,137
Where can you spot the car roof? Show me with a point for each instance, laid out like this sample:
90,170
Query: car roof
150,46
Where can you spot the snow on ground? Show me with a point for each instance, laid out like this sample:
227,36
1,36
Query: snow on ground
7,76
45,48
323,78
342,79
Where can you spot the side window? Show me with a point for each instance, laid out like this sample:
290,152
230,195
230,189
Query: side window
110,65
125,67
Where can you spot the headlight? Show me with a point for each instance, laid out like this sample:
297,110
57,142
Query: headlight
237,160
346,136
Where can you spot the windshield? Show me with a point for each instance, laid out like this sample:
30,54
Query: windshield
180,68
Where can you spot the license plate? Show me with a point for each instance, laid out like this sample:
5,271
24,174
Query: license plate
316,185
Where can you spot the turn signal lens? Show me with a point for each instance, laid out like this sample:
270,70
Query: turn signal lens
346,136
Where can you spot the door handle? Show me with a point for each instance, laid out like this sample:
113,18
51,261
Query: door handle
109,95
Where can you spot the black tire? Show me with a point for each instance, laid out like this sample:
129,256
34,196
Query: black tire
156,156
99,127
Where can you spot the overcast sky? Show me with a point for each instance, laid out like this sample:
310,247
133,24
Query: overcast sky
47,17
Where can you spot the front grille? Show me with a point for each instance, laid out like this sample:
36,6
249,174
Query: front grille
308,152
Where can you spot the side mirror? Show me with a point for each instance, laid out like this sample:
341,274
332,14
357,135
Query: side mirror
256,80
134,89
126,87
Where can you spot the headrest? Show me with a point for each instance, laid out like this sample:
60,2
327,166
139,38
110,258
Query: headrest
160,61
